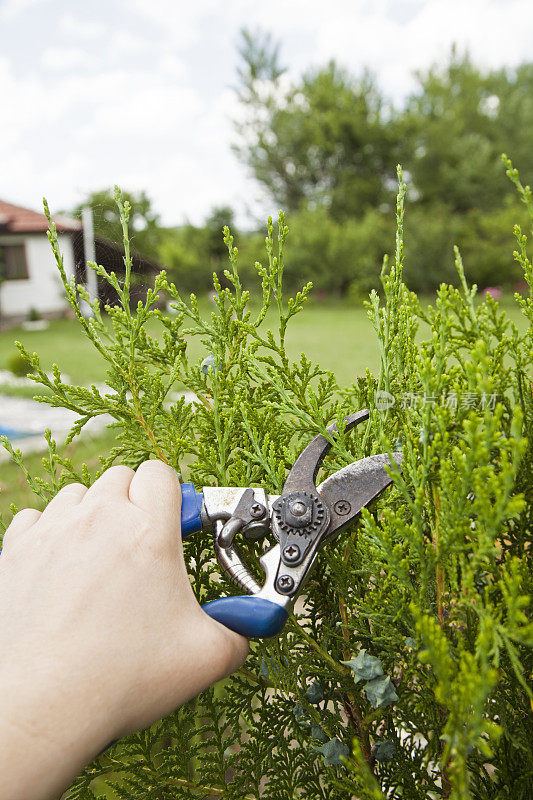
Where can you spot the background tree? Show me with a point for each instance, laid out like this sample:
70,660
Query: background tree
192,253
453,126
260,56
514,114
329,139
458,122
183,254
219,217
325,148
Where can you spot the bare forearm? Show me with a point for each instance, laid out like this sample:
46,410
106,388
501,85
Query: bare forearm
39,753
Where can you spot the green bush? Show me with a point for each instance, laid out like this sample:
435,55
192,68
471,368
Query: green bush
34,315
404,673
336,256
486,242
345,258
184,255
19,364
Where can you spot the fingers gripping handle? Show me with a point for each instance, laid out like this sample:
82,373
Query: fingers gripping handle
250,616
191,510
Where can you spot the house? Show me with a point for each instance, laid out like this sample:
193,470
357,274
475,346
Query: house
29,278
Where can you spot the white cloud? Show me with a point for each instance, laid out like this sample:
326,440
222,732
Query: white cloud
394,49
65,58
392,37
146,104
147,111
177,22
126,43
77,28
13,8
28,104
172,67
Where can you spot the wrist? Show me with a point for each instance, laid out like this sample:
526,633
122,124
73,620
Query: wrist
47,734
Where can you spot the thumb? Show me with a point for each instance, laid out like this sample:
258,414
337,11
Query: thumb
229,649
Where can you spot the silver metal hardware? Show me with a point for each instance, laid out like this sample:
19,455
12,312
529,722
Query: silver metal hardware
302,518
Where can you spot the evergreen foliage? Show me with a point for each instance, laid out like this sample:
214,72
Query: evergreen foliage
144,225
412,647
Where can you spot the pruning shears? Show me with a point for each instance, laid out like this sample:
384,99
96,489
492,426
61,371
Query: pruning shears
302,519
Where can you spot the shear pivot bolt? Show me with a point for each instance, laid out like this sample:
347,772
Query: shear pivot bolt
257,510
342,507
298,508
285,583
291,553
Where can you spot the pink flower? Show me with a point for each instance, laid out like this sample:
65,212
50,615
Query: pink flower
496,292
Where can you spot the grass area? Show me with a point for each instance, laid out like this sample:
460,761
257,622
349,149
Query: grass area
62,343
337,336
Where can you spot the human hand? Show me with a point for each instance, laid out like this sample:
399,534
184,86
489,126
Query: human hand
101,633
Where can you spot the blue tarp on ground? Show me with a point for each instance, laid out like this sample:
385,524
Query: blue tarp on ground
11,433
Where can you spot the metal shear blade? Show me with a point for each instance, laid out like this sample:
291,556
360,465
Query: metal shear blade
302,519
356,485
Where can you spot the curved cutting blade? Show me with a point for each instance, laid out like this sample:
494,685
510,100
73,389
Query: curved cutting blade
302,476
350,489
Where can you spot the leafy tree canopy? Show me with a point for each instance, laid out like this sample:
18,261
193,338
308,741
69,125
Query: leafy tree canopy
454,126
328,140
332,139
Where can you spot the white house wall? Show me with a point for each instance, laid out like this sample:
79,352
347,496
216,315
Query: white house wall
43,289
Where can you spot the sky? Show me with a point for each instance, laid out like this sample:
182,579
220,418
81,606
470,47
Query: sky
141,93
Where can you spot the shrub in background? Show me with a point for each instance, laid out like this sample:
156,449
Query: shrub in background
184,254
34,315
337,255
344,258
405,673
19,364
485,240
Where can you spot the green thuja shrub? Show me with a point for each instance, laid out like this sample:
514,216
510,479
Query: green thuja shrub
405,672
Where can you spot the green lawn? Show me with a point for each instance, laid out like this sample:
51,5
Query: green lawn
337,336
13,486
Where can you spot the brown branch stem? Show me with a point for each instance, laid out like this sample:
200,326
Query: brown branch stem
355,717
351,707
140,418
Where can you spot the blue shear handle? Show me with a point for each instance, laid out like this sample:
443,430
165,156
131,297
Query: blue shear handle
191,510
253,617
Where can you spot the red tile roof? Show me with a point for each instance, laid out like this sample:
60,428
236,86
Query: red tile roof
15,219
